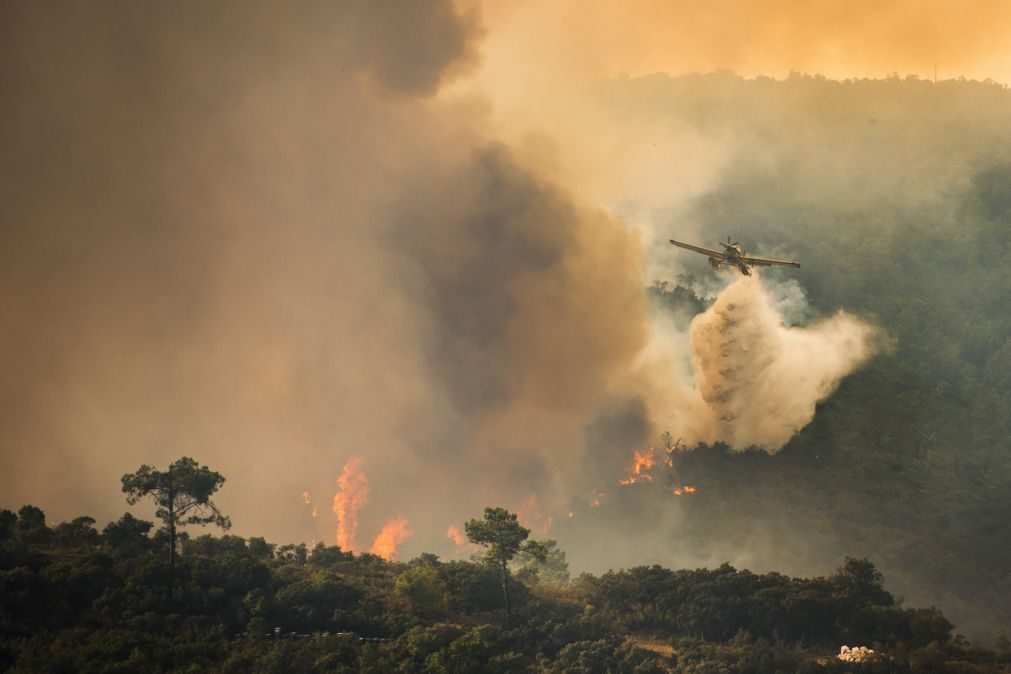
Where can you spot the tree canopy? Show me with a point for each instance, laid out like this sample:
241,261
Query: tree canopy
503,535
182,495
87,602
500,532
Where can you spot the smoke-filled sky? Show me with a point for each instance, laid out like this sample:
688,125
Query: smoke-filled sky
538,40
542,62
277,238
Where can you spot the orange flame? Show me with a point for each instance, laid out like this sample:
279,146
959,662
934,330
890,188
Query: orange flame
530,516
306,497
690,489
352,495
687,489
571,514
454,535
314,513
463,546
676,491
394,532
637,472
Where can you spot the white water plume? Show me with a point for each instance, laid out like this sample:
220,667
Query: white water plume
759,378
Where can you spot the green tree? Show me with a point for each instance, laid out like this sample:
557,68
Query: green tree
504,537
543,562
424,589
182,495
127,534
863,582
31,525
8,523
79,532
30,517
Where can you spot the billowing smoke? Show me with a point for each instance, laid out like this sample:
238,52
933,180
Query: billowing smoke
760,378
279,241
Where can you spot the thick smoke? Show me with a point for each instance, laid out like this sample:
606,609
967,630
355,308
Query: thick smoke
199,251
270,239
760,378
268,244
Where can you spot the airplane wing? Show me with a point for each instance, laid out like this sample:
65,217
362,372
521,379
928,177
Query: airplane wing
764,262
699,249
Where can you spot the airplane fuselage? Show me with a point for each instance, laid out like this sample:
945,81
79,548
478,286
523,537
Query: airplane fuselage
732,259
733,255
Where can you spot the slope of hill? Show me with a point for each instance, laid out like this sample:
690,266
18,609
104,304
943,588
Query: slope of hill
896,196
78,600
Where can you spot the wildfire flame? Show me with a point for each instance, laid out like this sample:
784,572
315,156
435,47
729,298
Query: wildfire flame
687,489
394,532
454,535
690,490
352,494
306,497
463,546
530,516
314,512
641,463
571,514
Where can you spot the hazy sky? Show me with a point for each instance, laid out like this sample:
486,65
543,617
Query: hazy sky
541,62
864,38
278,237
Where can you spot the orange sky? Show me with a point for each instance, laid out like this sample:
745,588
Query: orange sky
542,63
857,38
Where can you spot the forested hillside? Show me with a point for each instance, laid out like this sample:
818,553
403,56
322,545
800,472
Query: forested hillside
79,600
896,197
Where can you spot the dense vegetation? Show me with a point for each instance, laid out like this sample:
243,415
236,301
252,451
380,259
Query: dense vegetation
79,600
896,196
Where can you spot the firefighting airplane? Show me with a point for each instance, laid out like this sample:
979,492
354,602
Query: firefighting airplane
733,256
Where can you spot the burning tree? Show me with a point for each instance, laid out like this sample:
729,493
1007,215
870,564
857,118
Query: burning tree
504,536
182,495
671,446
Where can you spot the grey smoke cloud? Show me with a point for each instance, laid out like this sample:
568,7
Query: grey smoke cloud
251,234
256,235
196,243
